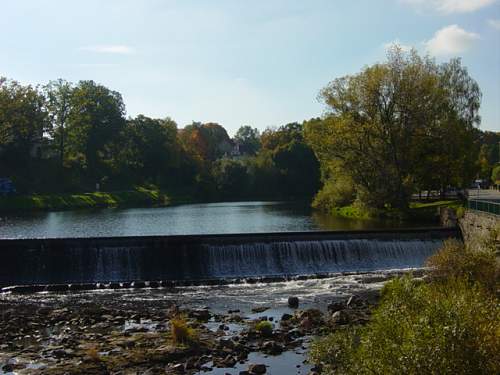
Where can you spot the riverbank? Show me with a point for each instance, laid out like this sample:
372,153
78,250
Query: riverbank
418,211
139,197
255,328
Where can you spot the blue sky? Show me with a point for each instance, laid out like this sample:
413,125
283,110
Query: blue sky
258,63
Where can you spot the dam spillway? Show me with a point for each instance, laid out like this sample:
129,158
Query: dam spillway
212,257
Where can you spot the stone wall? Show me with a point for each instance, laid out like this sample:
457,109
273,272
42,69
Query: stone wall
478,227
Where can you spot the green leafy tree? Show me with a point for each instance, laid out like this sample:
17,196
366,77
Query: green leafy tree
248,139
23,121
58,102
392,123
149,150
96,117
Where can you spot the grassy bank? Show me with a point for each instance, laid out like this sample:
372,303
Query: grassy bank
54,202
424,211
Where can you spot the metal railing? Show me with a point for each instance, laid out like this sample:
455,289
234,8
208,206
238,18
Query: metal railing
484,206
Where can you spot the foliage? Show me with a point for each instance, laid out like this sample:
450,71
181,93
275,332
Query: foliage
23,121
495,174
181,333
335,193
231,178
456,260
265,328
248,139
397,127
450,327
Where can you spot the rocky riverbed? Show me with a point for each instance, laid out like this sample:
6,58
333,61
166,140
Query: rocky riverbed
130,331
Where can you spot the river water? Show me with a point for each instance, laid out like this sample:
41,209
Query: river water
209,218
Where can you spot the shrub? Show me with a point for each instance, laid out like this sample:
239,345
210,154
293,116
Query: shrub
335,193
451,327
265,328
456,260
181,332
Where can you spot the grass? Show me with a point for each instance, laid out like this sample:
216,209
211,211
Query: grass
181,332
423,211
54,202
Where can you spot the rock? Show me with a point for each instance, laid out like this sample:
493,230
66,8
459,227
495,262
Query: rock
257,369
293,302
272,347
286,317
8,368
260,309
340,317
336,306
192,363
202,315
229,361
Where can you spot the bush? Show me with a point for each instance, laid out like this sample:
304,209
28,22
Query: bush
456,260
181,332
265,328
335,193
451,327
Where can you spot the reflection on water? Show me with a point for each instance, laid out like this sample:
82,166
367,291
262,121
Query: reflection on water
209,218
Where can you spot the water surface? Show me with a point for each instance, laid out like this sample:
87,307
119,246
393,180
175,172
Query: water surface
209,218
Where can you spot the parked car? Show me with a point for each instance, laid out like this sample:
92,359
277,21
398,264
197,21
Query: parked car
6,186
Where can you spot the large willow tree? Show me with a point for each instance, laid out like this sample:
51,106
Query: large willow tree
397,127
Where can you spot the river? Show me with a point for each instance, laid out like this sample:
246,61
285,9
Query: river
208,218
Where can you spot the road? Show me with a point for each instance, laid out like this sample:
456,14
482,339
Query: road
484,194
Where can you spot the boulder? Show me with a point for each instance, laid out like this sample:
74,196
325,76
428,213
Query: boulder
256,369
293,302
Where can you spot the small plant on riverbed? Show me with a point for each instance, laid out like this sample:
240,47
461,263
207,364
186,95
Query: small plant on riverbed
181,332
265,328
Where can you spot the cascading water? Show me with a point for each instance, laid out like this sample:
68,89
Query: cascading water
203,257
310,257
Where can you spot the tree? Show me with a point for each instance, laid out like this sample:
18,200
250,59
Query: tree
95,118
59,99
248,139
298,167
207,141
23,122
495,175
149,149
391,123
231,178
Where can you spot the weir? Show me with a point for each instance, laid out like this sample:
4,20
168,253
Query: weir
212,257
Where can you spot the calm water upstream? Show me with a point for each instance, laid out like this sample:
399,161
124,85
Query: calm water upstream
233,217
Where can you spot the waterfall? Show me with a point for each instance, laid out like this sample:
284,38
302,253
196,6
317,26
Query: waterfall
310,257
202,258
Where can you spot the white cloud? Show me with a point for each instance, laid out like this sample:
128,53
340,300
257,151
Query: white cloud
397,42
495,24
110,49
450,6
450,40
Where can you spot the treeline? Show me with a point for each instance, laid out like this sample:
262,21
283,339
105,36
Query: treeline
66,137
398,128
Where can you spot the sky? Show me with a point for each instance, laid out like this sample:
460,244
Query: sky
234,62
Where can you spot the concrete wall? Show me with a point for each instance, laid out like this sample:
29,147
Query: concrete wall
478,227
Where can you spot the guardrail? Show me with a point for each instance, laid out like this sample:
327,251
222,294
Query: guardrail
484,206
